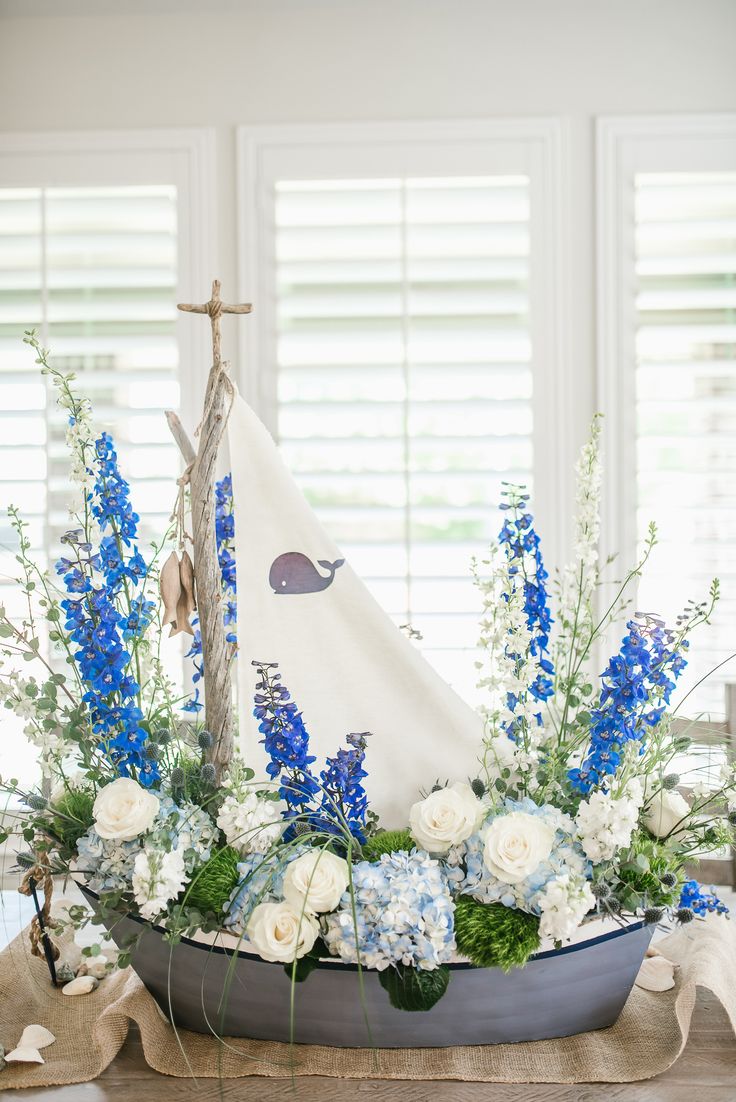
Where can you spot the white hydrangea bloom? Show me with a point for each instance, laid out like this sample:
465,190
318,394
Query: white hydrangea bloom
158,878
564,904
251,823
605,824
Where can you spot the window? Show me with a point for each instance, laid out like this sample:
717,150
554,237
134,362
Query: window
404,355
671,322
96,269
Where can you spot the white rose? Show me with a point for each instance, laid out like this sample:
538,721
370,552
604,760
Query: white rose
315,881
278,932
515,845
123,810
664,812
445,818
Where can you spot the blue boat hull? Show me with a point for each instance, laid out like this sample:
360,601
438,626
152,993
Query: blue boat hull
235,994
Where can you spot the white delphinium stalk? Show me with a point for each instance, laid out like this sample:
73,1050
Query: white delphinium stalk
564,904
576,613
605,823
508,669
158,877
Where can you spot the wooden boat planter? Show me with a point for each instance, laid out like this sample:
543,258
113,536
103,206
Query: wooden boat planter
231,993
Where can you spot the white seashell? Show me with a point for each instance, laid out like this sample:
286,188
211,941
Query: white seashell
24,1056
656,974
36,1036
82,985
94,966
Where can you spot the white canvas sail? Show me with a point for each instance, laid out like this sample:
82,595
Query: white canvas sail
346,664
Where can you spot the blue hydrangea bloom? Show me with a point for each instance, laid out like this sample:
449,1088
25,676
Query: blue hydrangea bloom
405,914
260,880
566,857
108,864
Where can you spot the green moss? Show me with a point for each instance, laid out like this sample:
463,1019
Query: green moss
494,936
71,816
214,883
387,841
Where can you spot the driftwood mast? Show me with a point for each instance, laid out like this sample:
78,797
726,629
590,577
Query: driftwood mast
201,464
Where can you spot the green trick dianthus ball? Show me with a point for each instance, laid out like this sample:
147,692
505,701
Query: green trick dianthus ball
494,936
72,814
387,841
214,883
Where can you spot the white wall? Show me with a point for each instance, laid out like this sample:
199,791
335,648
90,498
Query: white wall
219,63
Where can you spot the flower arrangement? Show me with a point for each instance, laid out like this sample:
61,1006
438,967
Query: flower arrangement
575,812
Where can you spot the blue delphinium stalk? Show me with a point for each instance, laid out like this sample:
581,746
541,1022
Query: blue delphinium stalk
286,741
521,545
102,618
636,687
342,790
225,535
700,901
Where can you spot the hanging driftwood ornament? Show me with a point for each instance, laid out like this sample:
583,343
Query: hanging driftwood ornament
186,604
200,474
169,585
176,586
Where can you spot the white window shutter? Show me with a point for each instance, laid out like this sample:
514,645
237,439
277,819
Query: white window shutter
685,266
404,392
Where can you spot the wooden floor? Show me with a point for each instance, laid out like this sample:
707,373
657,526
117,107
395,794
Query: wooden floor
706,1072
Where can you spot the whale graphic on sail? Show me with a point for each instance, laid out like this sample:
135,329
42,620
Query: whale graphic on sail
293,572
346,664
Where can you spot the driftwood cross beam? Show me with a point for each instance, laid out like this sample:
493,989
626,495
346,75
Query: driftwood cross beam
215,308
201,466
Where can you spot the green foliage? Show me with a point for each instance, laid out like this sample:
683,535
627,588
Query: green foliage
494,936
214,883
300,969
414,989
387,841
640,875
71,816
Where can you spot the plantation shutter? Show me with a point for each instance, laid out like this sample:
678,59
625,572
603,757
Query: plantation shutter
685,271
94,270
404,380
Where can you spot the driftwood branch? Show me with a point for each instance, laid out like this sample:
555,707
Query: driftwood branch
181,437
216,651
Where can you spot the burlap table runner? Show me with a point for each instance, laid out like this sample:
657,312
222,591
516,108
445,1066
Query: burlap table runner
90,1030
